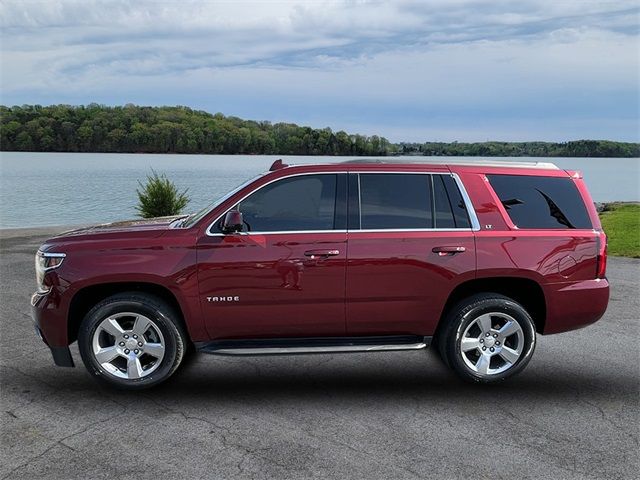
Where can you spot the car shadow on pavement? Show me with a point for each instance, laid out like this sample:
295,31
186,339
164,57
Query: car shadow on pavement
283,379
350,378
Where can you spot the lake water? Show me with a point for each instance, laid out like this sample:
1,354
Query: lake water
46,189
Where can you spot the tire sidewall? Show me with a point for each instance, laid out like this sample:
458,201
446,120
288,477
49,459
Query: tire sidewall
173,342
467,315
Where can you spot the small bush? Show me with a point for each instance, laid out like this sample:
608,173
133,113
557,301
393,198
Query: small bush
159,197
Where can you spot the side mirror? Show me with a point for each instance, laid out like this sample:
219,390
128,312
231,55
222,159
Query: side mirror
232,222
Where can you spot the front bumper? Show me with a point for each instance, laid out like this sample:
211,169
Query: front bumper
48,325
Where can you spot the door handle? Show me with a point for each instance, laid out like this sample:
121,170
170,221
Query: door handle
444,251
321,253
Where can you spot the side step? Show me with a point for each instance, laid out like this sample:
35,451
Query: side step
288,346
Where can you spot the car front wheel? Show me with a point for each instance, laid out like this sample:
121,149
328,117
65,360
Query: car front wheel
487,338
131,341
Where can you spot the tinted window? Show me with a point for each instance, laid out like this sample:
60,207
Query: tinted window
449,207
306,202
444,213
456,203
390,201
541,202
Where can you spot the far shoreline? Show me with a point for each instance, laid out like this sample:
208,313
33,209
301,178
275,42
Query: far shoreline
389,155
184,130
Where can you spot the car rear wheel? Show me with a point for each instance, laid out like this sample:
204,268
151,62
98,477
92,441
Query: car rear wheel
487,338
131,341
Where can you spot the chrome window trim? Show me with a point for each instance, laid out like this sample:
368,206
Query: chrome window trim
373,230
473,218
280,232
359,204
211,234
383,230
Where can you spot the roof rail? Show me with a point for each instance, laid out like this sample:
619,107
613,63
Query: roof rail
458,161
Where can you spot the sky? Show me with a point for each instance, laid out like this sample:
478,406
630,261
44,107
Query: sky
441,70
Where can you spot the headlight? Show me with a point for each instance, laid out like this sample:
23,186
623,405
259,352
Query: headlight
45,262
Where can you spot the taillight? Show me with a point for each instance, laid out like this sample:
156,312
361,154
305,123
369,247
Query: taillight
601,268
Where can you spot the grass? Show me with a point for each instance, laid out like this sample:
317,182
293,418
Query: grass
621,223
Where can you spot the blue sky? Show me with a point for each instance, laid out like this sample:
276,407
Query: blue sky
438,70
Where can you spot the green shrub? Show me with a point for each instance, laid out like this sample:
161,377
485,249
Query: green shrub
159,197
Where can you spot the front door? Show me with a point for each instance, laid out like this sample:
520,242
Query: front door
410,243
284,274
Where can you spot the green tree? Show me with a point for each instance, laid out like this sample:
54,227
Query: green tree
24,142
159,197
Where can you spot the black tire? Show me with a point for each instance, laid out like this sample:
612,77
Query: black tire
466,315
164,317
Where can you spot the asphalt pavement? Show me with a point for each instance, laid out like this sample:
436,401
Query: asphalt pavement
573,413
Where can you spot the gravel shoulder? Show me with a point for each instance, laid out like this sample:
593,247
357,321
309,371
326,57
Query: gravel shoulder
573,414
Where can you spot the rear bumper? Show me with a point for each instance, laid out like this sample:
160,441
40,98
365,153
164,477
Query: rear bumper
575,305
51,328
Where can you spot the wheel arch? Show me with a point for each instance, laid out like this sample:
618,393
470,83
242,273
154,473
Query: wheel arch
85,298
525,291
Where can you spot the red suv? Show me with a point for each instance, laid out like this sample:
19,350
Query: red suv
351,257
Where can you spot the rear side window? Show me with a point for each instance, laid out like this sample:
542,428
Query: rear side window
450,210
541,202
393,201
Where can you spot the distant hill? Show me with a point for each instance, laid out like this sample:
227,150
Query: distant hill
135,129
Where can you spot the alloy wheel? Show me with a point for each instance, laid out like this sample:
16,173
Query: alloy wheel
128,345
492,343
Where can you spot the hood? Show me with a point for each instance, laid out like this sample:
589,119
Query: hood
142,225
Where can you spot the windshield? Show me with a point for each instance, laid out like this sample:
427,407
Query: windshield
196,217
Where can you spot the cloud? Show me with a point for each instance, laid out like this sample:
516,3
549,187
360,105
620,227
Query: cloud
378,65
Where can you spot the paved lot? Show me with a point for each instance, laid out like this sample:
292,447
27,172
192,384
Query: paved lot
572,414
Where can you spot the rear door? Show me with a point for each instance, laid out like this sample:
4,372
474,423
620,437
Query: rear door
410,243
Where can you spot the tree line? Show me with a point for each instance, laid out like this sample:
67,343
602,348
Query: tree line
577,148
136,129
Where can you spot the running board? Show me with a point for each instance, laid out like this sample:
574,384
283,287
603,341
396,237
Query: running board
291,346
